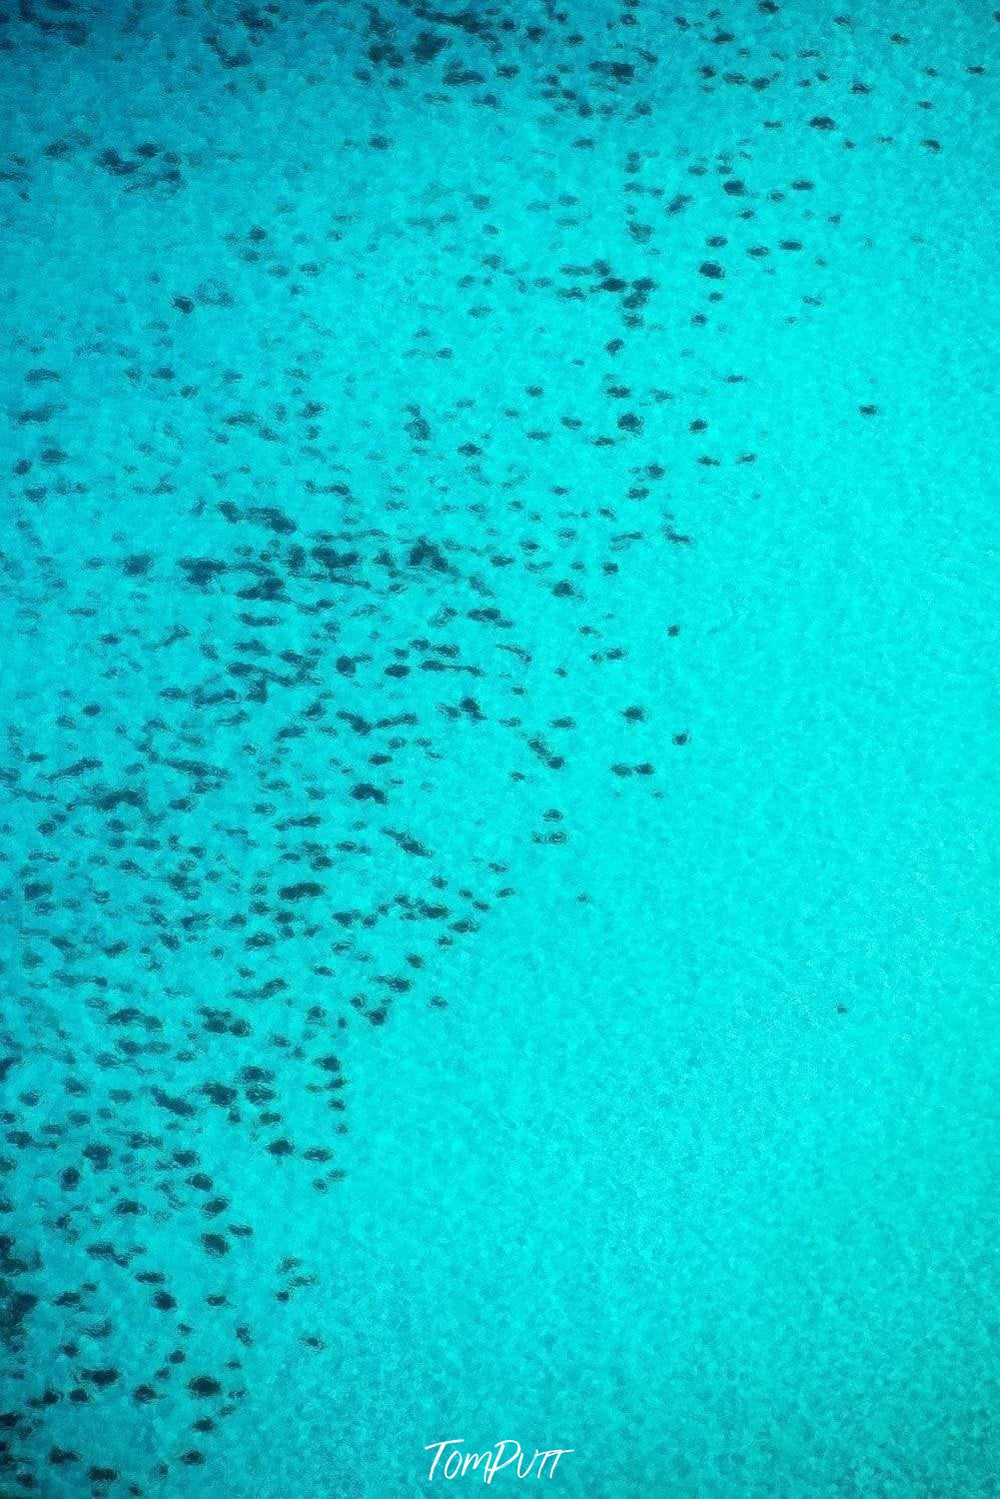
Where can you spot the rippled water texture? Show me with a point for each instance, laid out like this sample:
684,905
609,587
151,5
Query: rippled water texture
499,598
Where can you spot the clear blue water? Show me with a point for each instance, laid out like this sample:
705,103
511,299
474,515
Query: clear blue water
499,844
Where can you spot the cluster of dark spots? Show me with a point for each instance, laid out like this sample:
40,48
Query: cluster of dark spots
146,167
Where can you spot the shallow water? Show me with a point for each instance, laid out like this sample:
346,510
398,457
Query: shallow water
499,596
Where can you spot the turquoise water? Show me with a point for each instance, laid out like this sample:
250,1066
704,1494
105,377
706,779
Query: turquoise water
499,602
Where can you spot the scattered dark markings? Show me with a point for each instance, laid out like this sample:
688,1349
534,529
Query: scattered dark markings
357,597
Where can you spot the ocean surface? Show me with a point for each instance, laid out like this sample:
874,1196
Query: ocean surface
499,602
